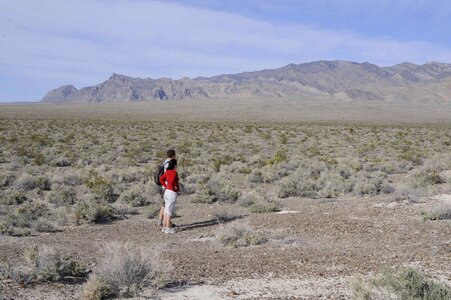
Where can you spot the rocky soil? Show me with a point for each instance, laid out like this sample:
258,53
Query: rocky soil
314,250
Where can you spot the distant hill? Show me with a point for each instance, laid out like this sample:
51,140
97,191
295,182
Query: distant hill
405,83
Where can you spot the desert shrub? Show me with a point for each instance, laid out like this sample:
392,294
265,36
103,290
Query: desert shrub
421,179
202,197
6,180
22,219
408,283
221,190
440,212
221,160
73,179
240,236
333,183
42,183
265,207
245,170
297,187
51,265
18,273
64,196
25,182
278,157
248,198
13,198
411,156
62,162
43,225
93,212
132,176
95,289
153,210
256,176
42,264
402,192
438,163
101,187
188,188
133,197
371,184
223,216
126,269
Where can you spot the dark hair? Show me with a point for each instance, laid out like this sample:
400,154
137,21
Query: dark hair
171,165
170,153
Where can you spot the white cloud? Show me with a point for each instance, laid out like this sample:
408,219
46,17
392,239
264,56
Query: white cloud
82,42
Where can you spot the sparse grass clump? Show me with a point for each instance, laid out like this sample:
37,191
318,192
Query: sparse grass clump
101,187
13,198
93,212
408,283
202,197
442,211
64,196
124,270
240,236
222,191
265,207
95,289
21,221
134,197
40,264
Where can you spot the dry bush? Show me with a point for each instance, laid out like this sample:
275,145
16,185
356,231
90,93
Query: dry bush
6,180
403,192
25,182
93,212
63,196
22,219
95,289
438,163
40,264
125,269
407,283
133,197
441,211
235,235
101,187
13,198
265,207
249,198
371,184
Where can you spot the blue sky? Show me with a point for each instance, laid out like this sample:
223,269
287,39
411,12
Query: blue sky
45,44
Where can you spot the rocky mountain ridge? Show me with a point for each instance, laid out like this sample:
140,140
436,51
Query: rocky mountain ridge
430,82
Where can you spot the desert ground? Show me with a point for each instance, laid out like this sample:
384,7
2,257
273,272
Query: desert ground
281,199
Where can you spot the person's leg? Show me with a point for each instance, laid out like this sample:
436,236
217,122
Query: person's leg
167,221
161,215
170,198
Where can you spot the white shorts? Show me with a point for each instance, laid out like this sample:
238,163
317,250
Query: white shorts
170,197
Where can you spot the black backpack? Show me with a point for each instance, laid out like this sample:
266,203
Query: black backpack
159,171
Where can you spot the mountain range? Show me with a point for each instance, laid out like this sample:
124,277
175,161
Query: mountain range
348,81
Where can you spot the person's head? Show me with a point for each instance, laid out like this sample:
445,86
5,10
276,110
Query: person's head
170,154
172,165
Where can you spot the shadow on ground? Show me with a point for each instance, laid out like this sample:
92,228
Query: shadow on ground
211,222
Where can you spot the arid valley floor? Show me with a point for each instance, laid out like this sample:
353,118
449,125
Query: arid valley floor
281,199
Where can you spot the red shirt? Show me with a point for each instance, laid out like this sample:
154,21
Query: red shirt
170,180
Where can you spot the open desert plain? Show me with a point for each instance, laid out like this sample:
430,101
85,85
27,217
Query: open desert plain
280,199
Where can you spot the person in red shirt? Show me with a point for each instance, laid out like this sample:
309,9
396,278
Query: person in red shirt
170,181
170,154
